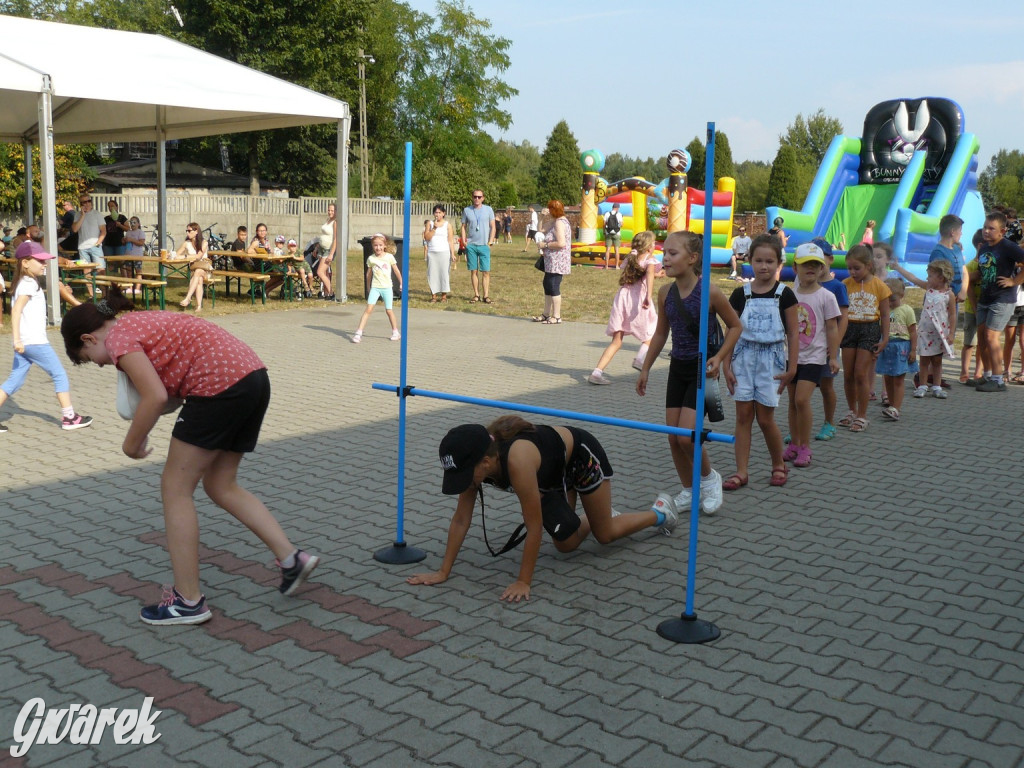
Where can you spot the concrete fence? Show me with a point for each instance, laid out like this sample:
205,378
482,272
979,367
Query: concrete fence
299,218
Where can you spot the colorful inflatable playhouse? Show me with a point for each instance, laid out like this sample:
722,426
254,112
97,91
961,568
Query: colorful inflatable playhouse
913,165
666,207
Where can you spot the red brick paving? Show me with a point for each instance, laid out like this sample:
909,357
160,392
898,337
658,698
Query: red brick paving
123,667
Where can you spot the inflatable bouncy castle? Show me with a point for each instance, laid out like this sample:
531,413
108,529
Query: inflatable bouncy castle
668,206
914,164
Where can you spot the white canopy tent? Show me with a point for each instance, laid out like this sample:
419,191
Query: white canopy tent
143,88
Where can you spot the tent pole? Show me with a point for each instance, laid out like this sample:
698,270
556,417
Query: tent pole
47,179
341,251
161,179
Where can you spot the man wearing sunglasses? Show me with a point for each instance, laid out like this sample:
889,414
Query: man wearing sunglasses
478,229
91,230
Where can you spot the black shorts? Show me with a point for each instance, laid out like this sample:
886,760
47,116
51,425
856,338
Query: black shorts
588,467
861,336
229,421
811,372
683,381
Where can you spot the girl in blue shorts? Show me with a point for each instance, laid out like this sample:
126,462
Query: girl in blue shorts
379,269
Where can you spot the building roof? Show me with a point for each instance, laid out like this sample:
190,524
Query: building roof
179,173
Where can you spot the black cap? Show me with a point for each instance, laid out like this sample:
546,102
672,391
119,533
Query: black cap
460,451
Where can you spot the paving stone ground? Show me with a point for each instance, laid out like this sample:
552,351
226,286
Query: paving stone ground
871,610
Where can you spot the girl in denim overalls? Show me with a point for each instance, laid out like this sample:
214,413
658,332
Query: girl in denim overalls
758,372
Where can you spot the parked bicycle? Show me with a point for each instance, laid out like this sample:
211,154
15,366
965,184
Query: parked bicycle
215,242
152,247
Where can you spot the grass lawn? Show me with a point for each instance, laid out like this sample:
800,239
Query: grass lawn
516,286
515,289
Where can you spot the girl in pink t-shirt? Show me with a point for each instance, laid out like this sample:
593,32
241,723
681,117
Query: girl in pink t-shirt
868,238
226,392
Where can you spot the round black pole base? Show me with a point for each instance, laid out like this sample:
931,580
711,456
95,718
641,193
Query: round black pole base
688,629
399,554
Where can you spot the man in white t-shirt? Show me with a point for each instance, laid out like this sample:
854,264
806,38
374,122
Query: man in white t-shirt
531,228
740,251
91,230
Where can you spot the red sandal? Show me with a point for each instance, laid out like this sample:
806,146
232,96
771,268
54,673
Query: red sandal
734,483
779,476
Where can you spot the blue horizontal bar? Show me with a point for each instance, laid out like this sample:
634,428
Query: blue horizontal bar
714,437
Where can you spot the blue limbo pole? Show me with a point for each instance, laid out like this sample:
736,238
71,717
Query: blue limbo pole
688,628
556,412
399,552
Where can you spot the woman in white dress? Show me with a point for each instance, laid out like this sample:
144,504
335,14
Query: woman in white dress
328,246
441,254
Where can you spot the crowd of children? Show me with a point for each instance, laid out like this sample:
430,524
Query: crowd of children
794,339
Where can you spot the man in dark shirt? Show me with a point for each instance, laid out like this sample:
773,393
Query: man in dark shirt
70,241
999,271
242,262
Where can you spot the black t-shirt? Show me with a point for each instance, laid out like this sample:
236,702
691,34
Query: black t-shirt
115,235
69,243
242,263
738,299
994,261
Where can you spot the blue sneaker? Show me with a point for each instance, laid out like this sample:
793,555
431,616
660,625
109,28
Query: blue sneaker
292,578
173,610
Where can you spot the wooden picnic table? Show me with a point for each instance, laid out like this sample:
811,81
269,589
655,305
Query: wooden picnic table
268,264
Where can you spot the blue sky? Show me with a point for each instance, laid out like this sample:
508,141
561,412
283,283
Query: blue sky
750,67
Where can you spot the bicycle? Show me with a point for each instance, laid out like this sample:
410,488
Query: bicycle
152,247
215,242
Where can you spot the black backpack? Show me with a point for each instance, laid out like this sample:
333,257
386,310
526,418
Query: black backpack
612,223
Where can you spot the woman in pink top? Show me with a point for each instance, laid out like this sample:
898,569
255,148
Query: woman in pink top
226,392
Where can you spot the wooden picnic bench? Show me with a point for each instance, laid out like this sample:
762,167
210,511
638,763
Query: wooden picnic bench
154,289
256,279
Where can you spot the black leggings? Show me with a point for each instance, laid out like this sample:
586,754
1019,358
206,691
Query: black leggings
552,284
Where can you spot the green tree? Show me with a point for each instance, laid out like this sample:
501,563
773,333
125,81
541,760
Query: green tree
723,158
1002,181
450,181
272,37
523,168
560,173
618,166
506,195
784,182
278,38
437,81
752,177
698,155
810,138
71,168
